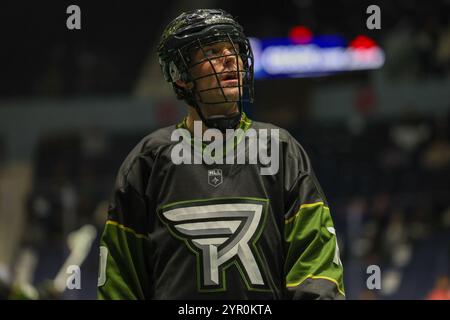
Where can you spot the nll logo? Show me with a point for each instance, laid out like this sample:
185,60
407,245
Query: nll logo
220,234
215,177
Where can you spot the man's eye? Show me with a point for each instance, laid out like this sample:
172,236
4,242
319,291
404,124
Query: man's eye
211,52
214,53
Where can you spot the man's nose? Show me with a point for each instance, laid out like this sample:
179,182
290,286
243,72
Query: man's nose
229,56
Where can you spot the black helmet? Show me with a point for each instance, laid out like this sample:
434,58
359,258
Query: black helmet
191,31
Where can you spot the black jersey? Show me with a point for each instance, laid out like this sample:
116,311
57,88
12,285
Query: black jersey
218,231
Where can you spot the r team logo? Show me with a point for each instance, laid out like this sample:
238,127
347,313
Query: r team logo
221,234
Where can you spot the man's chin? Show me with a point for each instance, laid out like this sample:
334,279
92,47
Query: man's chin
224,109
220,107
229,96
232,94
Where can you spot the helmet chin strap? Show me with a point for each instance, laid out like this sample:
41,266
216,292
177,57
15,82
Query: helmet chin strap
223,122
220,122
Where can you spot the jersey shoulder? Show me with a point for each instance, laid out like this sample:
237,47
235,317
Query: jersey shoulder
285,136
138,165
293,152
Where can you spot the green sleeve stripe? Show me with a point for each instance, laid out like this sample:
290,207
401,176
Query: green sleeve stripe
312,251
303,206
310,276
129,230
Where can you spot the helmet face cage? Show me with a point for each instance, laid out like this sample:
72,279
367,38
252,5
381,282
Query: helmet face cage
241,51
176,62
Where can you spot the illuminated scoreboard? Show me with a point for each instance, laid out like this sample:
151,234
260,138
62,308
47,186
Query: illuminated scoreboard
304,55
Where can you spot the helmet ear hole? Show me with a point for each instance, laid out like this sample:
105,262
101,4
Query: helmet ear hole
173,71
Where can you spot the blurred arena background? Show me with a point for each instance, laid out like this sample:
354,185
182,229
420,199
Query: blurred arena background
74,102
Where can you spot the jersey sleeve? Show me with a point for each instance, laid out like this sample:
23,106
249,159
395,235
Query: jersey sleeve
125,247
313,268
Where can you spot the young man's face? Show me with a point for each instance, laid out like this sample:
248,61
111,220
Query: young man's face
223,60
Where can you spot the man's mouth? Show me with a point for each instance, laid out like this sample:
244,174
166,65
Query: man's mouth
230,76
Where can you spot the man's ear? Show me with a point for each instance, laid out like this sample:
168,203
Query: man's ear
183,84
